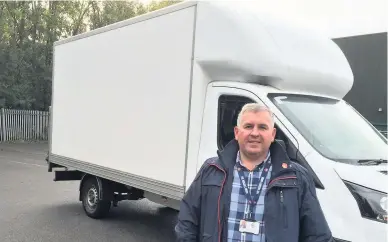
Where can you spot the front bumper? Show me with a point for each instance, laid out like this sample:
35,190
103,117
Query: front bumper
366,231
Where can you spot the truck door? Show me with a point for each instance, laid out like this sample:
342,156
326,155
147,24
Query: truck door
222,107
220,115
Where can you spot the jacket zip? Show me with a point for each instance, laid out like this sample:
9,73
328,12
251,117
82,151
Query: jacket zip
219,201
281,195
282,208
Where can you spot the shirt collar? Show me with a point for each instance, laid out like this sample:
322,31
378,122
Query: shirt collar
238,159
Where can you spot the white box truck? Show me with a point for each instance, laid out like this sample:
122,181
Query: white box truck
139,105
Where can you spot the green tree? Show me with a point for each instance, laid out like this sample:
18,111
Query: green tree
28,30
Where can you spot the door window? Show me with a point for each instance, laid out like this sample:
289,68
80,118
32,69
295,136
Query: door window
229,107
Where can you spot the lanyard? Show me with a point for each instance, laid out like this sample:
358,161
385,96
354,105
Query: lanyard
253,200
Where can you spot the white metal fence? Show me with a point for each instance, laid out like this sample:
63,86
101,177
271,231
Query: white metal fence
32,125
23,125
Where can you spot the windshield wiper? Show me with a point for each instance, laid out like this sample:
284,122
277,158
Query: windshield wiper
371,162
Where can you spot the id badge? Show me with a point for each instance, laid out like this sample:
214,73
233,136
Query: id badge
251,227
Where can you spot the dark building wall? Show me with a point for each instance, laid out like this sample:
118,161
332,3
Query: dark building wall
367,55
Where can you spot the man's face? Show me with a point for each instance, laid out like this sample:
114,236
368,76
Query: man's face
256,133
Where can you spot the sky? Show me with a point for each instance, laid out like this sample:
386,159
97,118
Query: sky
333,18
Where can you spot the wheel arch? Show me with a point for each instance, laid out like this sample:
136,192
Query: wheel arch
86,177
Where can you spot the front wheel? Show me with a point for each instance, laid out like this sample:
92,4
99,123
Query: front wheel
93,206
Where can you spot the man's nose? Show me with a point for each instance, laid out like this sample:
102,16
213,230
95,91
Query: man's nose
255,131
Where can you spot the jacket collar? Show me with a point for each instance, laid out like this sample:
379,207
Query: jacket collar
279,158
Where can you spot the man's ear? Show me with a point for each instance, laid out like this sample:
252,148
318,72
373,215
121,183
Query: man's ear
273,134
235,132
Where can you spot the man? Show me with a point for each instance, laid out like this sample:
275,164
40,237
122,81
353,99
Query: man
228,200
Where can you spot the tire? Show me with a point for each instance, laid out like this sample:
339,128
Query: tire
93,206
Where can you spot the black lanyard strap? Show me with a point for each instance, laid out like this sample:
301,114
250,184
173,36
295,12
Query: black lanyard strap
253,200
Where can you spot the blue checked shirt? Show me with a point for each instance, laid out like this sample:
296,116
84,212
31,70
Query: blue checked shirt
239,203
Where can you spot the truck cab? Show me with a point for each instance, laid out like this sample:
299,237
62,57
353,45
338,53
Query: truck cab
343,152
302,77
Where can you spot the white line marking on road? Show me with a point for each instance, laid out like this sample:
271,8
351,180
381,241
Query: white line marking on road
32,164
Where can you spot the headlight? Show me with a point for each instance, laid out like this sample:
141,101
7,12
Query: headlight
372,203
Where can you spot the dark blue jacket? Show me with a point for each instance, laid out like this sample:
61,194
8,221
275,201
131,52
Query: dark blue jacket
205,207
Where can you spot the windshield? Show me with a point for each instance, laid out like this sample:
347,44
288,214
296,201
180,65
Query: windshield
332,127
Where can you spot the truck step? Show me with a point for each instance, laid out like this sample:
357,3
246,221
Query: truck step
68,175
52,165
